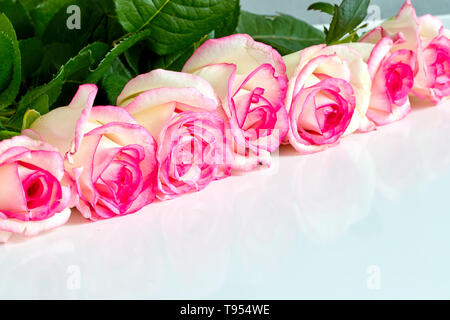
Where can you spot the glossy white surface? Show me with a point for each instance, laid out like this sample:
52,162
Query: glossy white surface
367,219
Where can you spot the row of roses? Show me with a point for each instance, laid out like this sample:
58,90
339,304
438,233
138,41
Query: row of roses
235,102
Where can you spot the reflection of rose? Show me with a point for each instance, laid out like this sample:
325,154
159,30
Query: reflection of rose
397,164
334,190
327,97
198,241
134,246
267,235
49,265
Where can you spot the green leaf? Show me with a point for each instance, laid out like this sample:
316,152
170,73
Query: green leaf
175,24
52,90
32,51
79,67
7,134
50,18
91,17
115,80
174,61
113,85
133,57
41,104
43,13
108,30
229,24
10,77
17,14
120,48
347,17
75,69
7,57
41,98
30,116
283,32
323,7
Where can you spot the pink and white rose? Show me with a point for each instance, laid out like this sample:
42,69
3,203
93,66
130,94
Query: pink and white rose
392,72
250,79
110,158
181,111
328,96
193,151
428,39
34,196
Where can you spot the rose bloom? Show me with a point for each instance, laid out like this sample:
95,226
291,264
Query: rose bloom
33,197
430,42
392,72
193,151
250,80
328,96
110,158
180,110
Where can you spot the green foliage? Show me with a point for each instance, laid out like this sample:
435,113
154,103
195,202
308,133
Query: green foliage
174,24
324,7
17,14
283,32
347,19
29,117
32,54
11,71
112,55
229,24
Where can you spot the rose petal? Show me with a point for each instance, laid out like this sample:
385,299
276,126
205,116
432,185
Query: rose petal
12,197
235,48
221,76
168,79
32,228
430,27
398,113
64,127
